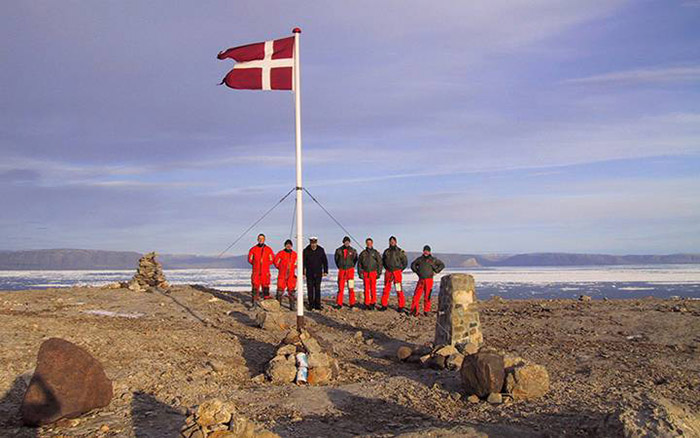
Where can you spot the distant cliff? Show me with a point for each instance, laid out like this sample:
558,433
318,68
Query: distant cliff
84,259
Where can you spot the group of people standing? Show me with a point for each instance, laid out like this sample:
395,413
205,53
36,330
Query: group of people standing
370,265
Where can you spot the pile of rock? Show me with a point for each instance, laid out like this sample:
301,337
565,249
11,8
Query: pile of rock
437,357
149,274
216,419
490,374
301,359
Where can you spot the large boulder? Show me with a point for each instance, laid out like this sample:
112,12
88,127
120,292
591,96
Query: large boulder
482,373
527,381
67,382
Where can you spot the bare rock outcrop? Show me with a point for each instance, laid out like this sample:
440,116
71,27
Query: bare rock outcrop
643,416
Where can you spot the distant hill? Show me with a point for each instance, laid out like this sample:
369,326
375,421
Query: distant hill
84,259
77,259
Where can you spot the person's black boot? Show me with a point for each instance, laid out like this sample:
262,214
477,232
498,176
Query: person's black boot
266,293
381,309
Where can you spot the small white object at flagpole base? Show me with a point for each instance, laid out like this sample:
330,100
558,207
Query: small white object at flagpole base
299,187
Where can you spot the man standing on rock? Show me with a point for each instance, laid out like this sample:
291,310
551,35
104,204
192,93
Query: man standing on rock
345,260
425,266
286,264
260,257
395,261
315,268
369,268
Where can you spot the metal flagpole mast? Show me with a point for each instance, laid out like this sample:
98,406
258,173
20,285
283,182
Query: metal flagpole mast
299,187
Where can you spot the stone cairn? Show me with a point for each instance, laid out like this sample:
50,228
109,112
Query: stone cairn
301,359
216,419
149,274
457,332
486,373
458,316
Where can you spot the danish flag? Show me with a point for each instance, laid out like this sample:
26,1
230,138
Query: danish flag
261,66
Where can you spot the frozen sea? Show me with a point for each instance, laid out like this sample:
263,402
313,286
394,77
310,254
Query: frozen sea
660,281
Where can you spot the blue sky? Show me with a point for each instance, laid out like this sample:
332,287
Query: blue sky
478,127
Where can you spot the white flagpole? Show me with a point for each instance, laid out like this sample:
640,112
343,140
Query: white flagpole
299,187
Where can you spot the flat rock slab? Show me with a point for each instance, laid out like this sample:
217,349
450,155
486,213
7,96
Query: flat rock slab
67,382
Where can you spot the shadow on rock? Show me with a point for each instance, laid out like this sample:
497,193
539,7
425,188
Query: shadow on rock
10,415
152,418
365,416
256,353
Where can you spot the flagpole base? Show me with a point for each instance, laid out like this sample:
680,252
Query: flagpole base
300,323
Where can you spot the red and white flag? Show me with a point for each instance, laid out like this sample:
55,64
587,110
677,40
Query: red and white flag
261,66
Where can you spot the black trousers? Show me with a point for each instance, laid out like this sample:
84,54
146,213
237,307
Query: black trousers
313,286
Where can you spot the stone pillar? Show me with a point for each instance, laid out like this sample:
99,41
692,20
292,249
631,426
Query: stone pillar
458,317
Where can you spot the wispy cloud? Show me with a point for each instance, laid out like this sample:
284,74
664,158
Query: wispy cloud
642,75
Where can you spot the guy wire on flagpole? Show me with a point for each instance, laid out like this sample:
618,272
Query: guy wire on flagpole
255,223
331,216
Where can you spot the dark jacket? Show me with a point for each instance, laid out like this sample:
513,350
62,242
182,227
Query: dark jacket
427,266
315,261
394,259
345,262
369,261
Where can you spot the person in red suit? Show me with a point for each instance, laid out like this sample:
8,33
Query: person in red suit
286,263
345,260
426,266
260,257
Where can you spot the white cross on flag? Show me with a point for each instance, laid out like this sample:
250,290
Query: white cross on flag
261,66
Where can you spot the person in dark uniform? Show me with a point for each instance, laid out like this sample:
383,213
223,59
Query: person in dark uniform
315,268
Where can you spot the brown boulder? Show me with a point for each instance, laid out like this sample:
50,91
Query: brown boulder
527,382
67,382
482,373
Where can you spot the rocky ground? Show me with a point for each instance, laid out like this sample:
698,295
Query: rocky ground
169,352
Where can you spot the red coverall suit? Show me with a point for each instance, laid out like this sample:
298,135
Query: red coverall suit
369,267
286,263
425,266
345,260
260,257
395,261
